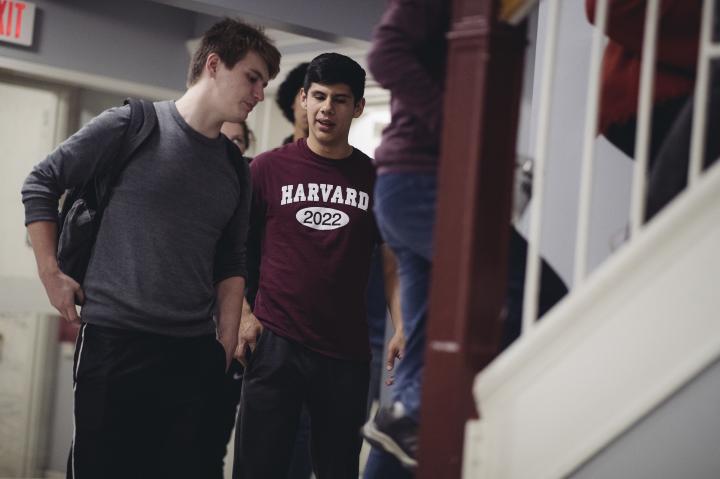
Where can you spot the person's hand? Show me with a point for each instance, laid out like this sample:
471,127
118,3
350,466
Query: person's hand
395,350
248,334
62,291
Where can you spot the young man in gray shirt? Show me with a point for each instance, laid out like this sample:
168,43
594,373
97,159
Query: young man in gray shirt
169,255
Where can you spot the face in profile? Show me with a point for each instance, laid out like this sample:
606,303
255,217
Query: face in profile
238,134
242,86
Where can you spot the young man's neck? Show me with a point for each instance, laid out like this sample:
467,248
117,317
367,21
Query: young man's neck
333,152
193,110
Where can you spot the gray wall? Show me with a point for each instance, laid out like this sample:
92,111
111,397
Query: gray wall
133,40
679,440
144,41
336,20
91,103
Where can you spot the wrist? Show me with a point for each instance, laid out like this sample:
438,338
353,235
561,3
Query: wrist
228,339
48,269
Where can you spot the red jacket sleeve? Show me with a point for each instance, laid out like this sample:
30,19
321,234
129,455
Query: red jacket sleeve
679,28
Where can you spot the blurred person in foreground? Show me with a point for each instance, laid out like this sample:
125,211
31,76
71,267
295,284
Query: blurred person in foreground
408,58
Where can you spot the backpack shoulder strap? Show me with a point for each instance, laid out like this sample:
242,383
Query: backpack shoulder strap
143,120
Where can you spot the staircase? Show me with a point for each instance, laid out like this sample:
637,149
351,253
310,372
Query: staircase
610,357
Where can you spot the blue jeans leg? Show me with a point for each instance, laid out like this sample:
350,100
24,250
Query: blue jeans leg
405,212
381,465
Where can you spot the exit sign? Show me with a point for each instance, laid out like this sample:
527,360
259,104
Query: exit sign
17,19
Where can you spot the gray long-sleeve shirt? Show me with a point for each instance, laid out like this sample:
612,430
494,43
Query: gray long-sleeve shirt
159,250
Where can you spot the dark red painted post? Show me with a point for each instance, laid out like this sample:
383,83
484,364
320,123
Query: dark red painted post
483,88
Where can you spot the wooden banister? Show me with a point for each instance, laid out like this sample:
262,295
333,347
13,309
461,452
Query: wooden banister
468,285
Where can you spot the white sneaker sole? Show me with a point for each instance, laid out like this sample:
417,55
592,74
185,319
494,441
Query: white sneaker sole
379,439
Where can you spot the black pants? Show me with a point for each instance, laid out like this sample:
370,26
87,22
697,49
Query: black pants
670,144
140,404
552,288
220,429
282,377
223,420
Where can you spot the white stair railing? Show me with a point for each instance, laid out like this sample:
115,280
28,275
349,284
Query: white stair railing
708,51
696,210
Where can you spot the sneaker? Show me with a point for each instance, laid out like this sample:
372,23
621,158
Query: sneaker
395,433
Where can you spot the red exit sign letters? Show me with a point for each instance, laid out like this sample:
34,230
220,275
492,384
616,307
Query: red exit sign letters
17,19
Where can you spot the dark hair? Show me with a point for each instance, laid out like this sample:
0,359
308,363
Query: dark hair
287,91
333,68
231,40
248,135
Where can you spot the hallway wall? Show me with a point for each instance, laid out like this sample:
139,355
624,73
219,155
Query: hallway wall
134,40
679,439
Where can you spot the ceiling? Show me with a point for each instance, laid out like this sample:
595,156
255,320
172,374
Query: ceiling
336,21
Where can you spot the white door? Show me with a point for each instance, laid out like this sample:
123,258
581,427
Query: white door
32,119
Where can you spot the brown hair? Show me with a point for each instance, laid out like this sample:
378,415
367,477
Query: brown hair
248,135
231,40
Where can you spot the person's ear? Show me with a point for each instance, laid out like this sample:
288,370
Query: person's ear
212,64
303,98
359,107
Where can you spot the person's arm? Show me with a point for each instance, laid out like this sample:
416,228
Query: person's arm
61,289
230,270
229,306
407,27
250,327
72,164
396,345
254,249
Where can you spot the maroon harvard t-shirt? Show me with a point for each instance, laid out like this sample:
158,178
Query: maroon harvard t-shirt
318,236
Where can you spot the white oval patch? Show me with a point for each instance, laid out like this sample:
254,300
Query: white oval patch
319,218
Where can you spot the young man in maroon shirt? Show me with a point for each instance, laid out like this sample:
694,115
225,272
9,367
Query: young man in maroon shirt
306,340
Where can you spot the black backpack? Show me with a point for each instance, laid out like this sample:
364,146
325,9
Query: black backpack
82,210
